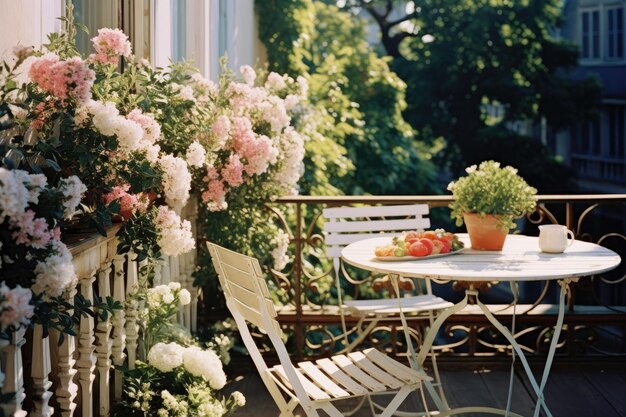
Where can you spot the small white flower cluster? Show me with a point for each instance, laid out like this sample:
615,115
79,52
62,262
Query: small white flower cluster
171,404
211,409
239,399
167,294
175,236
73,190
291,166
15,307
196,155
17,189
176,180
142,397
279,253
197,361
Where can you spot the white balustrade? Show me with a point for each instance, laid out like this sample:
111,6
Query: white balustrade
78,372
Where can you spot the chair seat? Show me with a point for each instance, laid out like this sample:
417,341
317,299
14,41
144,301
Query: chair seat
413,304
349,375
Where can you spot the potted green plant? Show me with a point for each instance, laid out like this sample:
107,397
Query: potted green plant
488,200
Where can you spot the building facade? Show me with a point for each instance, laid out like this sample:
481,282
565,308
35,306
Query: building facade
596,149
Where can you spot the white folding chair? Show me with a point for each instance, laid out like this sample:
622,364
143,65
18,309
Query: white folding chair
346,225
312,385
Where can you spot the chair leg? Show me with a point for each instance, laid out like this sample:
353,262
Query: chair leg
397,400
287,411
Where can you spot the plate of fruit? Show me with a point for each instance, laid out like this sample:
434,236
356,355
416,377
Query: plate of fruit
416,245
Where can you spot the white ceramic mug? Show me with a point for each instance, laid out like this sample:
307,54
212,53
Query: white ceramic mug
553,238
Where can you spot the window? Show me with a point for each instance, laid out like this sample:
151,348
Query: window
590,34
588,138
615,33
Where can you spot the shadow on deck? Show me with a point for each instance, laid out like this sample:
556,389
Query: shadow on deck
599,391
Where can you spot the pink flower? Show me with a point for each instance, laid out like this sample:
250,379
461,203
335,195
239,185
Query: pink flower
259,154
233,172
110,44
32,231
151,129
249,75
221,129
128,202
242,133
70,79
16,308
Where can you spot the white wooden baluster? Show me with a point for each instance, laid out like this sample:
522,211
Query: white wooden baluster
165,270
14,377
157,273
39,373
104,343
66,388
119,321
176,277
86,363
132,328
143,279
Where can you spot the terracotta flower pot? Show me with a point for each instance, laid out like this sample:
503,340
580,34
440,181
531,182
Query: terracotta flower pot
483,231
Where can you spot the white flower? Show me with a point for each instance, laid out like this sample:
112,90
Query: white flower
275,82
175,236
168,298
18,112
184,296
211,409
72,189
303,84
240,400
174,285
176,180
249,75
196,155
56,274
205,363
13,195
166,357
105,116
279,253
470,169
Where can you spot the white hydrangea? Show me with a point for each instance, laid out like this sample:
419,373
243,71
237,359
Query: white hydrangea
105,116
184,296
129,134
34,184
166,356
73,189
196,155
176,180
158,295
292,166
205,363
56,274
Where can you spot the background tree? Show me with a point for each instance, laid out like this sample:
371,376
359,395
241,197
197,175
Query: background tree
357,89
460,58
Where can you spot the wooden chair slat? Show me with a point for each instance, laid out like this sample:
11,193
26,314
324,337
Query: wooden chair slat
312,390
322,380
343,239
244,279
376,225
341,377
376,211
398,369
250,299
355,372
374,371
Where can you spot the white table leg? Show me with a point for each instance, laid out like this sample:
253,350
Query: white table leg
555,338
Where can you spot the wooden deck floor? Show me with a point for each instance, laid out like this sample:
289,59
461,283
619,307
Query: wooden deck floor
580,393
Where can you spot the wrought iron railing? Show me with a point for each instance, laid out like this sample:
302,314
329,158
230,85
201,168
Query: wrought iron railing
595,325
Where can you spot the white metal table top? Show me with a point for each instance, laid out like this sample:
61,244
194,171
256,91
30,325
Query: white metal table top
520,260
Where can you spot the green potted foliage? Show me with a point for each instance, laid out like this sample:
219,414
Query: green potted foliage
488,199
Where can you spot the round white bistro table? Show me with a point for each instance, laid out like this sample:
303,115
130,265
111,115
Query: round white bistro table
520,260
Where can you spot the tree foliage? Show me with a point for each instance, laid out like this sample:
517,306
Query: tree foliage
459,57
361,98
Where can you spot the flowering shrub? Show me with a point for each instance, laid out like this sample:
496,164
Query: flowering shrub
178,379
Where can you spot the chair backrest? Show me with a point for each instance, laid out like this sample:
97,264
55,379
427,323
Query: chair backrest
245,288
346,225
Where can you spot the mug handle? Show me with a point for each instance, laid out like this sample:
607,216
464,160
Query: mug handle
570,233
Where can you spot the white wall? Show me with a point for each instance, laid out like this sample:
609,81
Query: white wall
27,22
